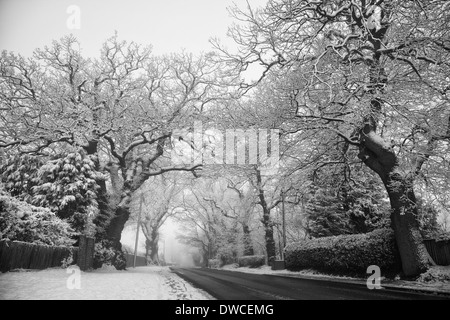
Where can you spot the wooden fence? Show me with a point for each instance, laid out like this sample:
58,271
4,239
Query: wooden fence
140,260
439,251
22,255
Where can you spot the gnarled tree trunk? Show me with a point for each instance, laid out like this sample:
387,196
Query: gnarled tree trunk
268,236
266,221
380,157
414,255
116,226
152,248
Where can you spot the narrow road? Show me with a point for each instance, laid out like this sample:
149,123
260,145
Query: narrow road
230,285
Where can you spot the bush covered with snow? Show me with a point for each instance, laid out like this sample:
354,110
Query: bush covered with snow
66,184
20,221
251,261
345,253
225,257
214,263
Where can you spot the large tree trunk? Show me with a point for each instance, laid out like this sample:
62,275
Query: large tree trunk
151,251
154,256
122,194
205,256
267,223
379,156
270,242
247,239
150,228
153,247
147,250
116,226
414,255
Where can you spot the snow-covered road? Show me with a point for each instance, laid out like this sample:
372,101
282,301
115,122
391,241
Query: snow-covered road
141,283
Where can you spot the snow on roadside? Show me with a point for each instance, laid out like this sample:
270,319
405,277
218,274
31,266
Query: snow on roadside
436,274
141,283
268,270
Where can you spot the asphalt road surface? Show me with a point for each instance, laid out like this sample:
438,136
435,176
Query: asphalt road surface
230,285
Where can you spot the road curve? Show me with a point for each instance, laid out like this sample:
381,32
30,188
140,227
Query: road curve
230,285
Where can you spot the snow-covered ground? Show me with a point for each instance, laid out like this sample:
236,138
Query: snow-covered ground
141,283
268,270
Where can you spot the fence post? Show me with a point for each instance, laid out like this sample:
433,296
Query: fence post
86,253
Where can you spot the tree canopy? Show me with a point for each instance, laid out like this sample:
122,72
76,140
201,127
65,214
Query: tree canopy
352,100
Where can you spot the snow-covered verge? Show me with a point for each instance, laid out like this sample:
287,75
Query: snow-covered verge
267,270
436,279
436,274
141,283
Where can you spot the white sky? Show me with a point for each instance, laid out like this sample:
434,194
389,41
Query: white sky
168,25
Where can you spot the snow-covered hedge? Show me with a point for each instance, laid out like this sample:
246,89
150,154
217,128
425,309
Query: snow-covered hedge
214,263
20,221
251,261
346,253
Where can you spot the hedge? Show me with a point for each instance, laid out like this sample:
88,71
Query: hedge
251,261
213,263
345,253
